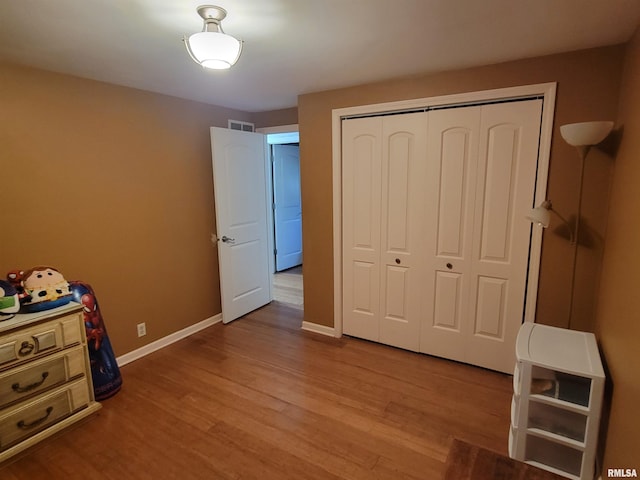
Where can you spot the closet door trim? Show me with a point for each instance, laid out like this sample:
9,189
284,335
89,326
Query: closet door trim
547,91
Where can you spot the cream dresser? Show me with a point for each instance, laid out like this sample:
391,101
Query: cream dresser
45,377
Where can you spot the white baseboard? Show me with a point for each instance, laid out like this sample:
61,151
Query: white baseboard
321,329
168,340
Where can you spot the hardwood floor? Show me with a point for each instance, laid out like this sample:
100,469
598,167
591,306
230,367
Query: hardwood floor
288,287
261,399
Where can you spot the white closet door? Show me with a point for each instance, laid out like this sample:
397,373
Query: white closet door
452,159
435,241
361,189
402,233
508,155
383,185
483,163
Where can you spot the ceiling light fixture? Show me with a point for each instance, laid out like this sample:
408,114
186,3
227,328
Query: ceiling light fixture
212,48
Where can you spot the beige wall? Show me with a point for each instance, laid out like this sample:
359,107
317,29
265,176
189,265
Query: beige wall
618,317
588,84
274,118
112,186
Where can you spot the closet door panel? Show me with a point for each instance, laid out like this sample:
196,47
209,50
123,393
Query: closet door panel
454,173
364,191
398,161
498,191
403,174
361,227
396,292
364,287
451,160
491,307
509,138
447,301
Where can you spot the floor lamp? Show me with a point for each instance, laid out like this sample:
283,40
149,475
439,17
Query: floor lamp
582,136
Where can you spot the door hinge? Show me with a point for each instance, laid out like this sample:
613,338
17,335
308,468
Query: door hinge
275,251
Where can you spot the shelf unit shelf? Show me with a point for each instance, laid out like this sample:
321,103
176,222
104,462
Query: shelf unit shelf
559,403
554,437
558,387
554,470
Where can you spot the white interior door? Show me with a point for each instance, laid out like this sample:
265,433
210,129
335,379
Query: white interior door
483,163
505,188
452,159
287,206
361,192
402,228
383,173
239,179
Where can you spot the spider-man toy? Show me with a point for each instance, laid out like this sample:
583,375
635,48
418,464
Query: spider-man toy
104,369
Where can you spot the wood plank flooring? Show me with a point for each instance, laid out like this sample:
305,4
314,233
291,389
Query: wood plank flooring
261,399
288,287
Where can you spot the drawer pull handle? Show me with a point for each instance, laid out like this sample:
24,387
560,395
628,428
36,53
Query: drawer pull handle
26,348
35,423
18,389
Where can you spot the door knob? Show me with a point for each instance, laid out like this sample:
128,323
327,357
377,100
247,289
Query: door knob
449,266
226,239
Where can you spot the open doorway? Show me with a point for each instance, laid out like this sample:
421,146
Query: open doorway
287,218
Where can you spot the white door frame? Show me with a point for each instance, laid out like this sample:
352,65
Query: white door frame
545,90
281,129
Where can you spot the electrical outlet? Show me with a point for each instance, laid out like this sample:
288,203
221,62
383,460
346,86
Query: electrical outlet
142,329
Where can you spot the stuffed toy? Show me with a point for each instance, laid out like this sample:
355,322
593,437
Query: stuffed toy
104,367
9,301
14,277
44,288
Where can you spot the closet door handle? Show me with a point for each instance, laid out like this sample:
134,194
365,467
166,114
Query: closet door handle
226,239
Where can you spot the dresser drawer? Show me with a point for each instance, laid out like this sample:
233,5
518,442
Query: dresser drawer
40,413
41,339
41,375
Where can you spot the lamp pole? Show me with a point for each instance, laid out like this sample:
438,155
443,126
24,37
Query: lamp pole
582,153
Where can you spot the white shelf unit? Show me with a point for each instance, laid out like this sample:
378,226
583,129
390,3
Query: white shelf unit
558,385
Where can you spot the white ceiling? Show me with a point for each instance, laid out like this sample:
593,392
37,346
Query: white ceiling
297,46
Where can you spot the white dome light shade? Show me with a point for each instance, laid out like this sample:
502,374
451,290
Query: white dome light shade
540,216
214,49
585,133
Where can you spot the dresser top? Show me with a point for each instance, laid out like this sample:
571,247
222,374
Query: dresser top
559,349
22,319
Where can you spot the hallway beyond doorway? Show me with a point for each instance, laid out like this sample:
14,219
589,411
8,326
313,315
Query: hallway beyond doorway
288,287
